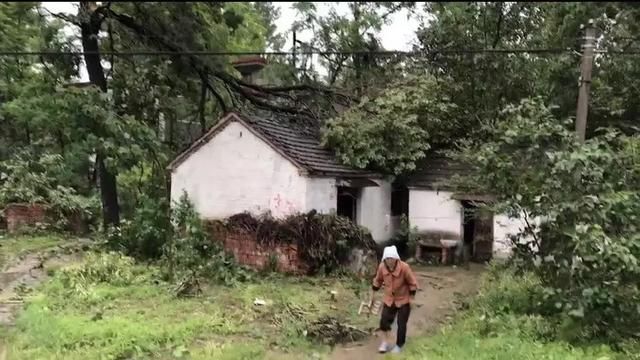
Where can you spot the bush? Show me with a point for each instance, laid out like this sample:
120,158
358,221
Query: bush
145,235
502,323
190,251
324,241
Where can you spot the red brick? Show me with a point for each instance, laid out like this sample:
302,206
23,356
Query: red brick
20,215
248,251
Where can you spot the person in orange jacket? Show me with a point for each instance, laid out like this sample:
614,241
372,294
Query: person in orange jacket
400,288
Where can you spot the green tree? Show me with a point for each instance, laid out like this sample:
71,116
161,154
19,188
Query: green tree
393,130
358,30
145,101
585,246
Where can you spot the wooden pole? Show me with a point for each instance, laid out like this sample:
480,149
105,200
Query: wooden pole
585,81
294,53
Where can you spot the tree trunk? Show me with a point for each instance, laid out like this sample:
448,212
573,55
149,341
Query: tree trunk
90,27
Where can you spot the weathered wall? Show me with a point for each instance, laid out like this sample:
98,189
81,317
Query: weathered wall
435,211
503,228
322,195
19,216
236,172
374,210
247,251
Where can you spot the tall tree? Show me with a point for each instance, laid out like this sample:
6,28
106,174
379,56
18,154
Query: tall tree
356,30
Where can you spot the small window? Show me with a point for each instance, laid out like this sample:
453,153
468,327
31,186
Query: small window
400,201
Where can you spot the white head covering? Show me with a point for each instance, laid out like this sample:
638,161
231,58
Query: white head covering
390,252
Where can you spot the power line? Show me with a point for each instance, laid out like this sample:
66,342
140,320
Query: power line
285,53
292,53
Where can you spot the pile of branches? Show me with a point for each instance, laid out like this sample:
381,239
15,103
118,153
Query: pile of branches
330,331
324,242
290,313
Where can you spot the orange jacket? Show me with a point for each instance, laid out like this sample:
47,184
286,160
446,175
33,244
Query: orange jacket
398,285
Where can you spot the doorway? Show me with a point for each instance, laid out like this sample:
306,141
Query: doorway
347,202
477,231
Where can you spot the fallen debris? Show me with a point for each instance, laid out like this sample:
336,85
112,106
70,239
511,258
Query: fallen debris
188,287
259,302
329,331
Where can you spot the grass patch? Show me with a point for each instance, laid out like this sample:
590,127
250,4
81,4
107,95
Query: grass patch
13,247
501,324
134,315
462,341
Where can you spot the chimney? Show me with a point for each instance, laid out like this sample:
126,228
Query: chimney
249,66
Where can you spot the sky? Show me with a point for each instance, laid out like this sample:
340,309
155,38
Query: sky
399,34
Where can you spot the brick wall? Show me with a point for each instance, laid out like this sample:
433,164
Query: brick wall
247,251
24,215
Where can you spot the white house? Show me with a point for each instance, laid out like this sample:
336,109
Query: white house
272,163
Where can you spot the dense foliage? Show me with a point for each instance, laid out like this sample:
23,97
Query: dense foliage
393,130
191,252
501,323
584,243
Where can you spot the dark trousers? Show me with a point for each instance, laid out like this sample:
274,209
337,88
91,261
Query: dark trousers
388,315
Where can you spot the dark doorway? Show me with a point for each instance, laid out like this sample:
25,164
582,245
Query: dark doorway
347,202
477,231
469,224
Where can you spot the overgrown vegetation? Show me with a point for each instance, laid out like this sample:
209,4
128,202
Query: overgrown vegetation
12,248
324,242
111,307
192,253
580,205
40,179
395,129
502,323
178,241
69,147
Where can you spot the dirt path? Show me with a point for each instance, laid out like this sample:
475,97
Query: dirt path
29,271
434,305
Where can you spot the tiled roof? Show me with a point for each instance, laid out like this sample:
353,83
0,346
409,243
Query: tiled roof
297,137
435,172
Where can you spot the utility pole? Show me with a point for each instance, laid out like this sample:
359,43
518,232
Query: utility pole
586,65
294,53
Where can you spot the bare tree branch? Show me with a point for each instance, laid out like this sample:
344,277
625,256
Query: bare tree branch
253,93
68,18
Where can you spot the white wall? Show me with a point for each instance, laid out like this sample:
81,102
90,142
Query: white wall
235,172
504,227
435,211
374,210
322,195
